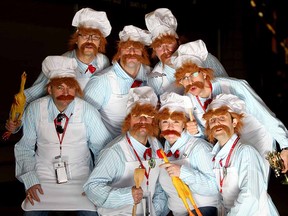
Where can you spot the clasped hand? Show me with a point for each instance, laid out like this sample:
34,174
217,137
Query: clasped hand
137,194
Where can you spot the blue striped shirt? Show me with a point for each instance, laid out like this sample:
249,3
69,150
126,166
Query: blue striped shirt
110,168
38,89
97,136
252,184
198,175
98,90
162,78
254,106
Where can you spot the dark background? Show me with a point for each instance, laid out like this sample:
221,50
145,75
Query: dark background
232,30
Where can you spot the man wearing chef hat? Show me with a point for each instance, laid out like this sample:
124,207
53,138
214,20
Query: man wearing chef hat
60,131
190,158
239,168
109,91
262,128
111,185
87,45
162,25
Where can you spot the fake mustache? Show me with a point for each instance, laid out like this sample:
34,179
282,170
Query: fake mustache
126,56
148,127
170,132
95,49
88,44
197,84
223,127
164,56
65,97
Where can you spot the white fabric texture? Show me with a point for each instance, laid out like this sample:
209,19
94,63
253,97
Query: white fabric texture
142,95
59,66
161,22
234,103
135,34
90,18
194,51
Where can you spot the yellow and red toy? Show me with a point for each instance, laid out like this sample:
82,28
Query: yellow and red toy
18,105
182,189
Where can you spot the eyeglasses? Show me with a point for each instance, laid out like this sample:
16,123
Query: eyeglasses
167,46
187,79
92,37
135,49
59,127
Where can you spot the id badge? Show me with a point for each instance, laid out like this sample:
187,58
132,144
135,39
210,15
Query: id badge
146,203
61,174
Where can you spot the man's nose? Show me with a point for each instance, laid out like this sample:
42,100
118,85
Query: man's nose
166,49
170,125
190,81
217,121
90,38
131,50
66,91
143,119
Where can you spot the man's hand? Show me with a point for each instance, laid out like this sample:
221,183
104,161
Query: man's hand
192,127
284,156
12,126
172,169
137,194
32,193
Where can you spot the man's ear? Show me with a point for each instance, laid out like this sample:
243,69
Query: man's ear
234,122
204,75
49,90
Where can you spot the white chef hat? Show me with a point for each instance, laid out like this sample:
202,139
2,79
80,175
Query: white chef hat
141,95
59,66
234,103
161,22
135,34
92,19
194,51
175,102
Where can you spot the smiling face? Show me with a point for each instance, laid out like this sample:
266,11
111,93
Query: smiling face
171,124
141,122
87,42
131,55
222,127
164,47
171,129
63,91
221,124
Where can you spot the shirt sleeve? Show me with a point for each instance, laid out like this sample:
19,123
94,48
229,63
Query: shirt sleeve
97,91
37,90
24,150
256,107
213,63
158,75
160,200
109,168
251,182
199,176
97,133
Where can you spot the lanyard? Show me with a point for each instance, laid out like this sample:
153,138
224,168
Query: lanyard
204,106
227,163
64,130
141,164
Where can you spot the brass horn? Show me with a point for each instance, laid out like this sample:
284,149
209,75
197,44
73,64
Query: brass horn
276,163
